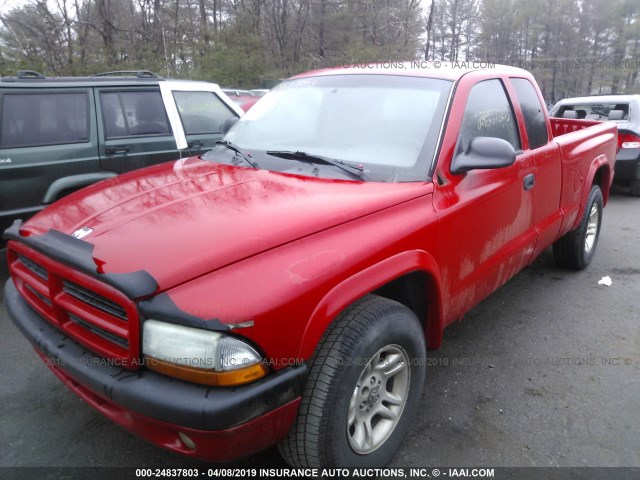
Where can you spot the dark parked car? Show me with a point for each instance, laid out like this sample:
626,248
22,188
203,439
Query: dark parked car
58,135
625,111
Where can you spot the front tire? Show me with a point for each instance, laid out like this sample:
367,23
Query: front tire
576,249
364,386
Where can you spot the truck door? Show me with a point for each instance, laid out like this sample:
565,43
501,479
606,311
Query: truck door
201,110
134,130
486,215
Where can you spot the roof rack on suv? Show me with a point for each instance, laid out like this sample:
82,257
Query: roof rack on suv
120,75
137,73
25,74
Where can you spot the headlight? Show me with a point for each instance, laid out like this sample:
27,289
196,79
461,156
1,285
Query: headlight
200,356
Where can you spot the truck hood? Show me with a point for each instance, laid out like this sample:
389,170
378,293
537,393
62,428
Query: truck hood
183,219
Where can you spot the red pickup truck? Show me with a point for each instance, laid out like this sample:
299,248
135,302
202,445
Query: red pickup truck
283,287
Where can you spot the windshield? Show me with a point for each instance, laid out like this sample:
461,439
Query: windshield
388,125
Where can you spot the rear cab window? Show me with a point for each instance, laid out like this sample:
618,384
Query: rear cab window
32,119
533,112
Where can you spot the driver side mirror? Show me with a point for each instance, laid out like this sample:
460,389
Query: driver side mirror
484,153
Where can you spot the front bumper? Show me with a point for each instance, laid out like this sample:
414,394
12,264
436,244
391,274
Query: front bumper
222,423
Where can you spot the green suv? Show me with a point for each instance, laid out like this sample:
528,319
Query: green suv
60,134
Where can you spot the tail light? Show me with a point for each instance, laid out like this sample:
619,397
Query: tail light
628,140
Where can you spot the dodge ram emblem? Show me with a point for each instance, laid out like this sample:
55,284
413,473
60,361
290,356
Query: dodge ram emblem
82,232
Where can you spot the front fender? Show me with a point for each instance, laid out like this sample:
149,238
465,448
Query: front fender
283,299
368,280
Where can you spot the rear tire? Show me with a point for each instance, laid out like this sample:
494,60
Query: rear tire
365,382
576,249
634,188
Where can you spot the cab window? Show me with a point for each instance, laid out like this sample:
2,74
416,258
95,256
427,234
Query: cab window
533,112
488,114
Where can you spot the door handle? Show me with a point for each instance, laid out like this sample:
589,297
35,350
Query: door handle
116,149
195,143
529,181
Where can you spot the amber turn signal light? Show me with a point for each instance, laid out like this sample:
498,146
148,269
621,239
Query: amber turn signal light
228,378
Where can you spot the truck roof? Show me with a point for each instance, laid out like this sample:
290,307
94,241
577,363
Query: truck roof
444,70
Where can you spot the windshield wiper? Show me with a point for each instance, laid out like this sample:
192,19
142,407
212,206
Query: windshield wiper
234,148
350,168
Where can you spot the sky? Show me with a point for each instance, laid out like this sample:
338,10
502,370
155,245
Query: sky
6,5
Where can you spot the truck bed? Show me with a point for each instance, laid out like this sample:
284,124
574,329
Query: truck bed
580,142
562,126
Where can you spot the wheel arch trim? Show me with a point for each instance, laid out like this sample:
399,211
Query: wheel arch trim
599,164
73,181
370,279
